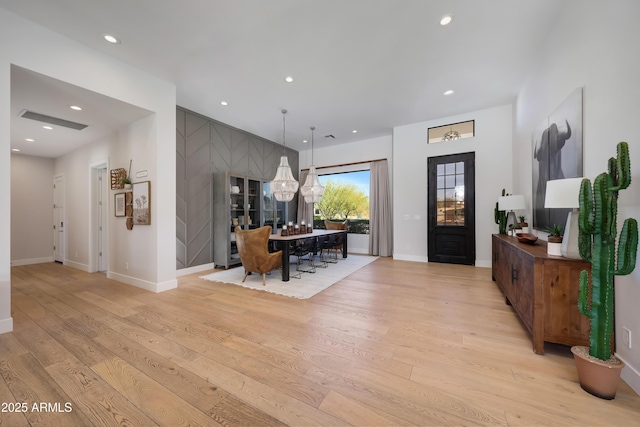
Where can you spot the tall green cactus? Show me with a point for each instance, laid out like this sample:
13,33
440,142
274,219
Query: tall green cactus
597,242
501,217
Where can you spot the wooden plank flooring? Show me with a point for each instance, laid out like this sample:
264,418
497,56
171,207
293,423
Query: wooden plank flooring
394,344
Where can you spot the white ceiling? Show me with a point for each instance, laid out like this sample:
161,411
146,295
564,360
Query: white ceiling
41,94
368,65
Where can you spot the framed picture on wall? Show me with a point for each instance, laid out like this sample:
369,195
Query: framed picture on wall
119,204
142,203
557,154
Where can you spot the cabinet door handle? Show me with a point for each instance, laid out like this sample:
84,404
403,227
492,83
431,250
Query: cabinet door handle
514,274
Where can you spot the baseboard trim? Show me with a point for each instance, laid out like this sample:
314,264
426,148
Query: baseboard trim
630,375
79,266
17,262
143,284
414,258
483,264
194,269
6,325
400,257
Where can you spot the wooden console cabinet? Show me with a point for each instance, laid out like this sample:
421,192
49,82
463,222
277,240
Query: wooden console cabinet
542,289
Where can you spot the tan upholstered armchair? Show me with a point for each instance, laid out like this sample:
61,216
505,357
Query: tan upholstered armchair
253,247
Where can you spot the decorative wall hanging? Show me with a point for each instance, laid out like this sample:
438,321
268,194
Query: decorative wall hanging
142,203
557,154
119,204
117,178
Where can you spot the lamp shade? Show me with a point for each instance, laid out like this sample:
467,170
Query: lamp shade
312,190
563,193
511,203
284,185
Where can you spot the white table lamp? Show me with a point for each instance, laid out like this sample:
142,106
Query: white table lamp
564,193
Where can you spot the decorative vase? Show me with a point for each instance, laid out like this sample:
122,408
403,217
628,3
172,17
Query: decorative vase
597,377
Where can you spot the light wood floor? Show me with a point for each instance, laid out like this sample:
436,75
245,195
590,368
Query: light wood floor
396,343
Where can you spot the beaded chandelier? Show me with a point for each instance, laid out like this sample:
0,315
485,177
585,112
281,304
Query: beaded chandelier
312,190
284,186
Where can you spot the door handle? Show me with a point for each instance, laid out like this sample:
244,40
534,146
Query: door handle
514,274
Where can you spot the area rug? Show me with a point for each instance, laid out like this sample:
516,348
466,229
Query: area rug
308,285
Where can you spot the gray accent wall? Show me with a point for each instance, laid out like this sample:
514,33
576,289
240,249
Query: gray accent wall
203,147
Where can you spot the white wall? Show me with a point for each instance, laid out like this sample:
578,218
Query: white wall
31,209
360,151
33,47
595,47
492,147
130,261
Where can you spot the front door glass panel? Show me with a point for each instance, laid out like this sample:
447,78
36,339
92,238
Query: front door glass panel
450,194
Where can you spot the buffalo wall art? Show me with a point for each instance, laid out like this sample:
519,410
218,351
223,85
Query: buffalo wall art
557,154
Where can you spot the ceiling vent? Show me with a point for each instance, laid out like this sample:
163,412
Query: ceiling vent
329,137
51,120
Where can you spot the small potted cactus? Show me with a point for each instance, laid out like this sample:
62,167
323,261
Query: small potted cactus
598,369
500,217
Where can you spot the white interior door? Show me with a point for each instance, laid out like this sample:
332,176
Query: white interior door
58,218
103,206
99,242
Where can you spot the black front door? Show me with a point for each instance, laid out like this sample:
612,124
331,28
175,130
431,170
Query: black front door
451,189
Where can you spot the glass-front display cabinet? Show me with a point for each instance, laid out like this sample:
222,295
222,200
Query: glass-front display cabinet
237,202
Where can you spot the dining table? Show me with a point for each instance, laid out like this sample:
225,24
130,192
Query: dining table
284,243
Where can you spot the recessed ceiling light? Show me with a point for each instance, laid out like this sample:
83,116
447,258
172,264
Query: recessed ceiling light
75,107
29,139
47,127
111,39
305,141
446,20
449,92
288,79
225,103
354,131
15,149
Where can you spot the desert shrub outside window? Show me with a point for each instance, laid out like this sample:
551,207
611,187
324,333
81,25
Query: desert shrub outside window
346,196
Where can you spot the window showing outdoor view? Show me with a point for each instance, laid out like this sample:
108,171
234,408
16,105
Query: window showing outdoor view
346,196
450,196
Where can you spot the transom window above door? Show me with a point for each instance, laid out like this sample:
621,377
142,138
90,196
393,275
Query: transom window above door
451,132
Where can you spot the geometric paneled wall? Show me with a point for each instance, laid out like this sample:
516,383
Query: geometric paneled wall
203,147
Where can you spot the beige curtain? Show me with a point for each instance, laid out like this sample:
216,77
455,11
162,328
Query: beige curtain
380,225
305,210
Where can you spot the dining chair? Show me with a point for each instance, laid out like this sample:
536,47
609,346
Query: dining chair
253,248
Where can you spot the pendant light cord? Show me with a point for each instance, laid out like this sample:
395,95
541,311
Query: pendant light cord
312,129
284,141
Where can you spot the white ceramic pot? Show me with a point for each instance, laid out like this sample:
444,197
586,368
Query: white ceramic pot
554,249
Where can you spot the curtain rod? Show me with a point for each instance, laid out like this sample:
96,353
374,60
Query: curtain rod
346,164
